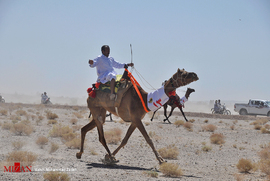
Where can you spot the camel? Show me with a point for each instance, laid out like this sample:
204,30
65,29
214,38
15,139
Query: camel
174,102
131,110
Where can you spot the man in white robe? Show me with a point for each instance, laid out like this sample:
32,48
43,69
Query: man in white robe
105,64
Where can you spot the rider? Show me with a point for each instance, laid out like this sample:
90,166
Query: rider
105,71
44,97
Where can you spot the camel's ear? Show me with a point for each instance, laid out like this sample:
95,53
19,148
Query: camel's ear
178,70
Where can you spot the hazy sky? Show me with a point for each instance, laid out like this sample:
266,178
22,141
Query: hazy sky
45,45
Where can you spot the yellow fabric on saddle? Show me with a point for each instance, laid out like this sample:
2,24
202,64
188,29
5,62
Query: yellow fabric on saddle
106,87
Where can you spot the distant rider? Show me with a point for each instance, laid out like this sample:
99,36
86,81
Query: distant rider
44,98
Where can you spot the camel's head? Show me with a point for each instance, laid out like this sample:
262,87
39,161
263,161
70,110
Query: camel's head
182,77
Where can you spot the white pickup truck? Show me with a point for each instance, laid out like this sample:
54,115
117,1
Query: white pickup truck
254,107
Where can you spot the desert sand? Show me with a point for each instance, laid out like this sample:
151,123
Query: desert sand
136,158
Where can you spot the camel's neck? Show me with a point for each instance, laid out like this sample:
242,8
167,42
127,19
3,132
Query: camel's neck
170,86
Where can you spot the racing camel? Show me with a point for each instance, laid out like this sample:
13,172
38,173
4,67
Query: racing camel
131,109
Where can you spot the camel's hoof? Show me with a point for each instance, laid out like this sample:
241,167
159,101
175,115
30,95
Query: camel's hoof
78,155
110,160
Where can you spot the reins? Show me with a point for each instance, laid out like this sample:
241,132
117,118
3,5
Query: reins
135,83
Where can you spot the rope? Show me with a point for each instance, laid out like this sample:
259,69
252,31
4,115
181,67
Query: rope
141,77
135,83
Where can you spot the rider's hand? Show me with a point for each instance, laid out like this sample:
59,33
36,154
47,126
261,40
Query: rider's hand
91,62
131,64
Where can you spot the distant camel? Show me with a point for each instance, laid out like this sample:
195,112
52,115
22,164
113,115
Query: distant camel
174,102
130,110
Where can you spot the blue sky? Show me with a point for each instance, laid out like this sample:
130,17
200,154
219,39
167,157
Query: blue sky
45,45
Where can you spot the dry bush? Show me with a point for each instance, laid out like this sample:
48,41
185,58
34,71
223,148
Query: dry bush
151,173
206,121
147,123
265,153
170,170
24,157
169,152
217,138
7,126
73,121
113,136
78,115
264,166
264,131
257,126
245,165
21,112
236,121
54,147
75,108
14,117
232,127
188,126
22,129
74,143
209,128
40,117
191,120
179,123
18,144
206,148
52,121
56,176
4,112
41,141
51,115
64,132
76,128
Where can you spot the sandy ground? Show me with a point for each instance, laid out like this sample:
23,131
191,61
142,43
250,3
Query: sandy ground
136,158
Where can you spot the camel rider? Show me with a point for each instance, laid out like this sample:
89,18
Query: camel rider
105,71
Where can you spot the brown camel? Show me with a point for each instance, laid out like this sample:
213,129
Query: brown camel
174,102
130,110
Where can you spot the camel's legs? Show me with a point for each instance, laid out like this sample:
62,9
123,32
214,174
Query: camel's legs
183,113
153,115
148,140
101,132
84,130
165,113
131,128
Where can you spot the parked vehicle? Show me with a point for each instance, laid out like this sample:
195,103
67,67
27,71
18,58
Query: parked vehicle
222,110
254,107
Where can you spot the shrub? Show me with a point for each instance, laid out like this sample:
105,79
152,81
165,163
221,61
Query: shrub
264,165
257,126
265,131
206,121
22,129
74,143
244,165
232,127
151,173
56,176
169,152
188,126
154,136
7,126
18,145
73,121
60,130
41,141
209,127
206,148
54,147
147,123
113,136
217,138
21,112
93,152
3,112
265,153
179,123
192,120
170,170
51,115
52,121
24,157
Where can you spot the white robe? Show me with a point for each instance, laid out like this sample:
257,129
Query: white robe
156,99
105,69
